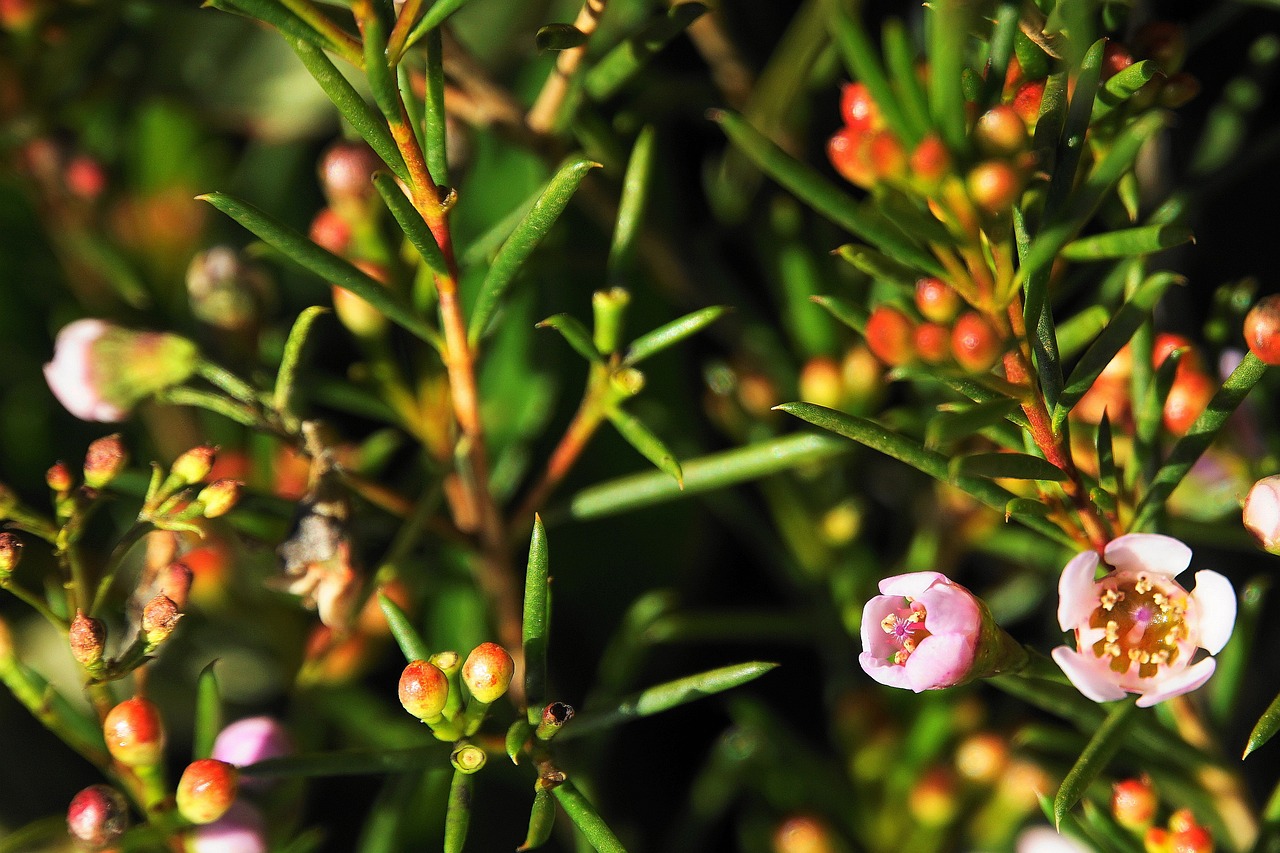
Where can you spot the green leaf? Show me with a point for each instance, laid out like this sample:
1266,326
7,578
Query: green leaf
1018,466
863,63
949,426
1002,38
814,190
707,473
584,816
1108,476
1265,728
948,30
208,716
631,206
322,262
879,266
617,67
1094,759
1024,506
435,16
537,621
382,81
524,239
434,121
650,446
351,762
1044,337
1197,439
387,815
411,223
287,375
457,814
363,118
289,25
1124,85
1126,321
1126,243
572,330
851,313
1071,142
664,697
559,37
407,638
900,64
518,734
1078,331
542,818
672,333
42,834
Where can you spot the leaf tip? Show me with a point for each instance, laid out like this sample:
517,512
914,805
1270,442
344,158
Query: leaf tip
716,115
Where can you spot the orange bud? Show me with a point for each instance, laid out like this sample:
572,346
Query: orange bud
206,790
1167,342
424,688
1157,840
974,343
1262,329
887,157
1000,132
932,342
847,150
1134,803
1194,840
857,107
889,335
219,497
1188,396
803,834
1026,101
930,161
59,479
329,231
487,672
134,732
938,301
994,186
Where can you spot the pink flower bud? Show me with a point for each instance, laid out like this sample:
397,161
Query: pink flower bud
925,632
1137,629
206,790
134,732
105,459
100,371
487,672
240,830
1262,512
98,816
251,740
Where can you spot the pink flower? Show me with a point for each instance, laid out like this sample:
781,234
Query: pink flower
1262,512
100,371
240,830
1137,629
922,633
249,741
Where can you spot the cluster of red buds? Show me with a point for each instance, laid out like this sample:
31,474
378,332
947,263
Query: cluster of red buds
1190,392
431,689
941,334
1135,804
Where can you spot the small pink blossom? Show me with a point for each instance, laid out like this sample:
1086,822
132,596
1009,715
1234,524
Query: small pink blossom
1262,512
922,633
1137,629
251,740
240,830
71,374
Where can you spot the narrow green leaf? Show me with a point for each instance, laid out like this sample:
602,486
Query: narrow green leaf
1078,331
863,63
1122,86
879,266
287,375
1018,466
1198,438
407,637
537,621
707,473
1126,321
518,734
45,833
1071,142
559,37
411,223
1008,16
949,426
572,330
322,262
363,118
664,697
1149,410
1108,476
434,121
1094,759
631,206
617,67
900,64
524,239
1034,61
208,716
457,813
1126,243
351,762
948,31
542,818
846,311
1044,336
435,16
650,446
587,819
289,25
672,333
1024,506
382,81
814,190
906,450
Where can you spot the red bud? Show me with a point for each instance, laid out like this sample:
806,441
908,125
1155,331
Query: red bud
1262,330
134,732
206,790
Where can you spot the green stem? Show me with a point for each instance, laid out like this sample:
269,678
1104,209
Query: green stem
35,604
131,536
229,382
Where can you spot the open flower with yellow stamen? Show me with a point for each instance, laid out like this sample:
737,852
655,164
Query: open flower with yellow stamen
1137,629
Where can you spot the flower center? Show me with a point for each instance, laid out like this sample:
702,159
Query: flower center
905,627
1144,621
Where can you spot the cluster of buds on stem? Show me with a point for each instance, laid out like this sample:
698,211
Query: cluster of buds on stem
169,503
1182,834
1189,393
431,689
941,335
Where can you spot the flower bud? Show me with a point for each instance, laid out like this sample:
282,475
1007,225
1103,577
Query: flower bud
59,478
982,757
134,732
330,231
192,466
361,319
554,716
346,173
1188,396
206,790
933,800
975,345
1157,840
219,497
424,689
930,161
821,382
87,637
10,554
240,830
1166,343
468,758
886,155
803,834
1195,839
890,335
1000,132
1026,101
1262,330
225,291
1115,58
487,672
937,301
858,108
848,152
932,342
1134,803
994,186
100,371
105,459
1262,513
251,740
159,617
98,816
175,583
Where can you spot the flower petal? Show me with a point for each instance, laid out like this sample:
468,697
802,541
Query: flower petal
951,609
874,639
1089,674
1175,685
940,661
1148,552
1215,600
912,583
1076,595
888,674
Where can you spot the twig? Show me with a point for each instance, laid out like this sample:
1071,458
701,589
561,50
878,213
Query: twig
543,113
